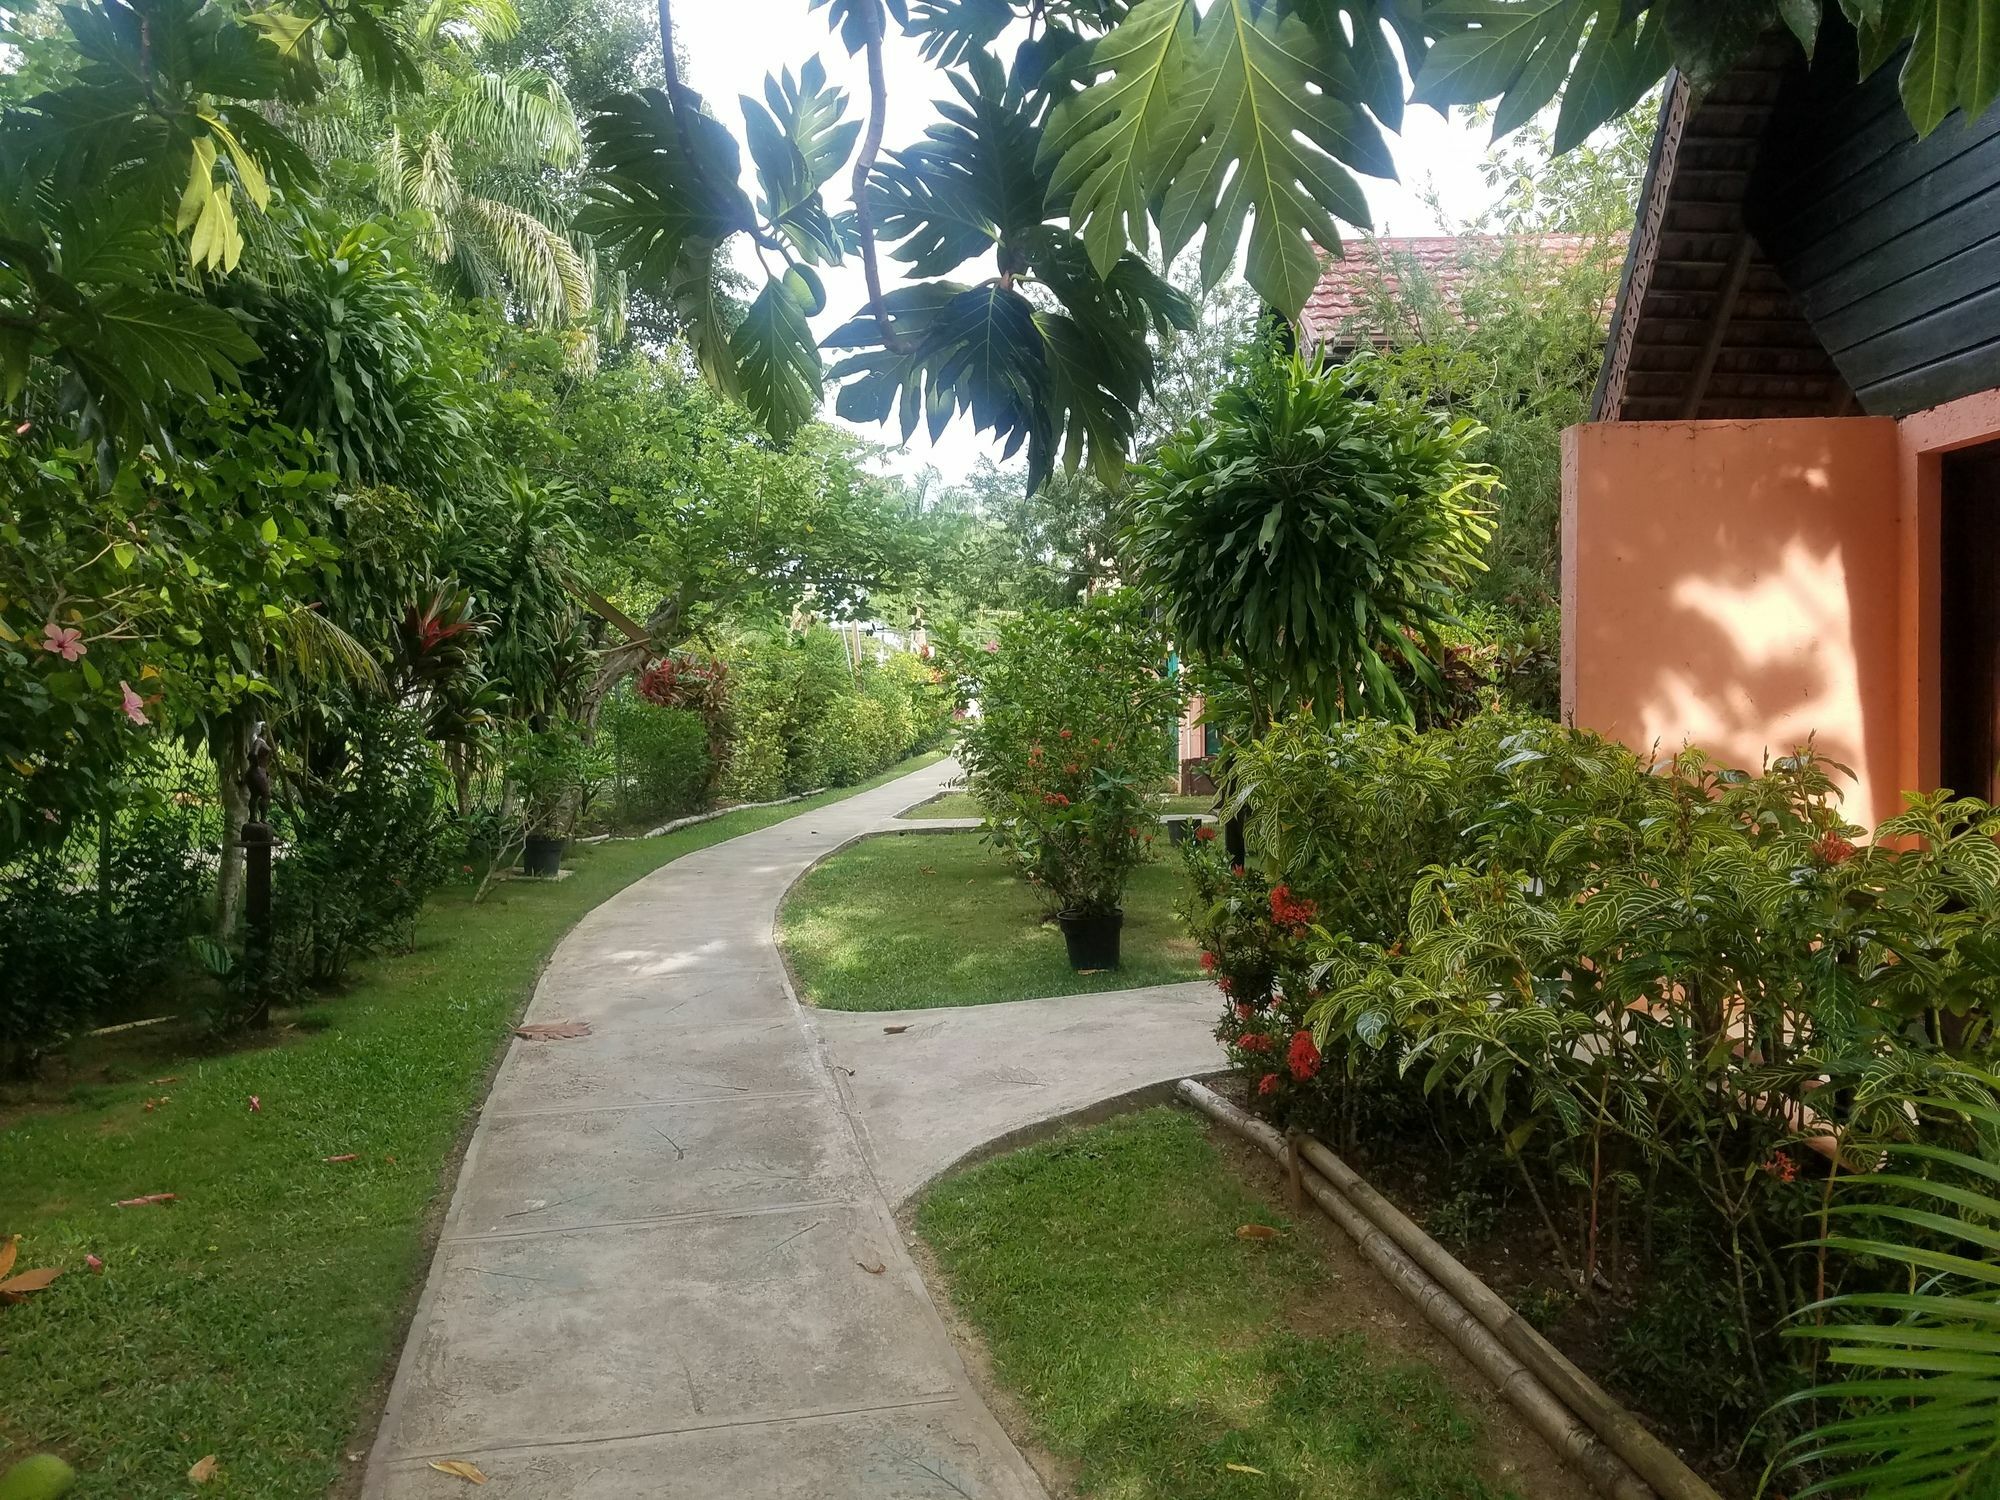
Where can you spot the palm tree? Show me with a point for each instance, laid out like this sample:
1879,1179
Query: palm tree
484,161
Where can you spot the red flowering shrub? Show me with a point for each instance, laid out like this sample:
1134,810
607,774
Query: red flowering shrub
1253,1041
1288,910
682,679
1302,1057
1268,1084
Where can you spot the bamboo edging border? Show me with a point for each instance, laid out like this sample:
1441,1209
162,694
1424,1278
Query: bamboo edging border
1596,1436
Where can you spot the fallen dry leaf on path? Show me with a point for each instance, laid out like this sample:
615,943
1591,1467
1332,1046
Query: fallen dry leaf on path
350,1156
149,1198
552,1031
895,1030
176,1078
203,1470
458,1466
16,1288
875,1270
1256,1232
10,1248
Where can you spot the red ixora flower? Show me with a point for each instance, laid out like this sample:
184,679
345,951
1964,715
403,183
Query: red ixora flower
1832,849
1244,1012
1782,1167
1064,734
1254,1041
1289,910
1268,1084
1222,983
1055,799
1205,832
1303,1056
1071,769
1208,960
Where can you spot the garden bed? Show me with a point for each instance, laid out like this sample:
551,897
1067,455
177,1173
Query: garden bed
254,1316
910,921
1141,1346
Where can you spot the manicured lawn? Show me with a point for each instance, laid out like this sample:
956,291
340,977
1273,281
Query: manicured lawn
950,805
917,920
250,1318
1158,1352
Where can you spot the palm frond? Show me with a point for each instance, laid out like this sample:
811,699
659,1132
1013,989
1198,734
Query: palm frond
522,116
321,652
471,21
541,264
1921,1403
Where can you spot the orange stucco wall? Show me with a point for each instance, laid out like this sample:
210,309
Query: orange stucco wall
1738,585
1735,585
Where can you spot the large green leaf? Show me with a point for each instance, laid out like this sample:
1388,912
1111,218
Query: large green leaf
1104,142
950,31
970,184
1613,71
665,183
798,143
1260,132
950,349
778,364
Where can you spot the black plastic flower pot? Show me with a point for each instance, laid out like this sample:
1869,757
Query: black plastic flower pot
542,855
1092,938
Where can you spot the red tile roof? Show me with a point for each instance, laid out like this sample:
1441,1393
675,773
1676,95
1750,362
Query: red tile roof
1338,311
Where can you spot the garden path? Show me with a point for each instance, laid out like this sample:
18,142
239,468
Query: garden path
929,1088
669,1268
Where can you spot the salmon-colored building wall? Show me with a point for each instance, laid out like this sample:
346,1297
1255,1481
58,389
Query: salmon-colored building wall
1739,585
1735,585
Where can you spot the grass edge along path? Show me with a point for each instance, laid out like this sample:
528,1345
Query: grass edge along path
920,920
253,1317
1157,1353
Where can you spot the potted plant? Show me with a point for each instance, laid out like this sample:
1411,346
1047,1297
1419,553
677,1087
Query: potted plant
553,773
1091,831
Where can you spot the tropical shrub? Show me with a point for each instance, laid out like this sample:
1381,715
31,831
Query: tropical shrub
1308,539
1658,993
101,912
1074,729
555,773
661,758
365,834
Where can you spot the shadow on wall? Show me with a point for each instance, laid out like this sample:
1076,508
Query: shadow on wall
1734,585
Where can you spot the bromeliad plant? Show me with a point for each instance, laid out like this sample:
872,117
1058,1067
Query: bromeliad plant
1075,717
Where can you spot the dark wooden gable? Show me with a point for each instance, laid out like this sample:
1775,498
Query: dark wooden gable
1801,253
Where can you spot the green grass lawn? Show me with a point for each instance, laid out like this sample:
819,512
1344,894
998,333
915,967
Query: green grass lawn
1154,1349
917,920
950,805
251,1318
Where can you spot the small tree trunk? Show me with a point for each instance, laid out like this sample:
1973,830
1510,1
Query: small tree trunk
229,748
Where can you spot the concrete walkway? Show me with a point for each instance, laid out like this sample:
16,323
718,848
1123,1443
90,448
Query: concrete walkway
928,1088
667,1272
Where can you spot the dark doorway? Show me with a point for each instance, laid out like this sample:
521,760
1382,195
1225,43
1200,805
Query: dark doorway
1969,537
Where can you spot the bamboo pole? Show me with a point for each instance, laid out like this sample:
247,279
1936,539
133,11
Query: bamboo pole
1564,1431
1623,1433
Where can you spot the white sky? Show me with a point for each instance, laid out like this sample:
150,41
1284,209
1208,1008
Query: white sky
731,44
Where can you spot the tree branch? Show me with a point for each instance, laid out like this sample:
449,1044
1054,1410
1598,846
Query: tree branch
871,146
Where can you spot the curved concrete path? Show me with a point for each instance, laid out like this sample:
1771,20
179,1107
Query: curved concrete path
669,1269
929,1088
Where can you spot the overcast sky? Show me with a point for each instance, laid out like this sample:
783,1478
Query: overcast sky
731,44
